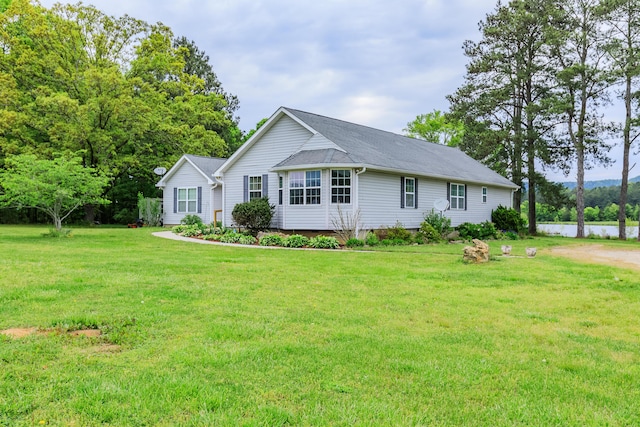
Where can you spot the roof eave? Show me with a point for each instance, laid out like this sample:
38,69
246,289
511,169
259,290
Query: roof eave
317,166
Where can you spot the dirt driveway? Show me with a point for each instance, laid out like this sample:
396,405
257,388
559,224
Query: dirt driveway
600,254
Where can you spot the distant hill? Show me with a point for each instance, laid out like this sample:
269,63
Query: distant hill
588,185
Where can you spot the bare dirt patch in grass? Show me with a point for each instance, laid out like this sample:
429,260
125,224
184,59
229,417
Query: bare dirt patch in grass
600,254
18,332
23,332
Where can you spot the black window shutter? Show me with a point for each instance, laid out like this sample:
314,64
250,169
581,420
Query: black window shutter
245,193
175,199
465,197
265,185
402,192
415,189
449,193
199,199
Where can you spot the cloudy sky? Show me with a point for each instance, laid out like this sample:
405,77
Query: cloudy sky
372,62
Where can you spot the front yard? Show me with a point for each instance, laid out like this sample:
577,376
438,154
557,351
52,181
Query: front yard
214,335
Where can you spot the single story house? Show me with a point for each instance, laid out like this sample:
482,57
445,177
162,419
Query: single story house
314,168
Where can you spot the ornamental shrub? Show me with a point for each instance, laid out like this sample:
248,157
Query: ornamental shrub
272,240
355,243
231,238
247,240
398,232
507,219
296,241
254,215
440,223
324,242
191,220
484,230
192,230
372,239
427,234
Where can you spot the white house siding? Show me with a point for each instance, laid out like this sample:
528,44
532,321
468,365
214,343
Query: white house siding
283,139
319,142
186,176
308,217
379,201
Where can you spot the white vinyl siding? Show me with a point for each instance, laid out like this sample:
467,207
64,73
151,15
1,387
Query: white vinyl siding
188,177
379,205
283,139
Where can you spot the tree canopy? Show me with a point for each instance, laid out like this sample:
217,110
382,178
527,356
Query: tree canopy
57,187
117,90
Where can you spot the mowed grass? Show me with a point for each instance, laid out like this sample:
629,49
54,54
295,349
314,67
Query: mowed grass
209,335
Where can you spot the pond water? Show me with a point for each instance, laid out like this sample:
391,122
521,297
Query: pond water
570,230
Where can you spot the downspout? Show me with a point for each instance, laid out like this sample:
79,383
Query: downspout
357,198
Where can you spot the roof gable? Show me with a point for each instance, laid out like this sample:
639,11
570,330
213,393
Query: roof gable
206,166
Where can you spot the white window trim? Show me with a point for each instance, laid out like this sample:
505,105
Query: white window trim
305,189
257,179
350,178
458,198
409,193
186,200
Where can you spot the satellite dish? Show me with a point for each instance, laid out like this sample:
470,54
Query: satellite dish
160,171
441,205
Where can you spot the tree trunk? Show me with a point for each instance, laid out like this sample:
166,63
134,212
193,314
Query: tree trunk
622,216
580,192
90,214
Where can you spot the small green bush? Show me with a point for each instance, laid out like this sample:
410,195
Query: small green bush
212,237
191,220
324,242
254,215
398,232
427,234
440,223
296,241
355,243
507,219
484,230
247,240
178,228
272,240
192,230
231,238
372,239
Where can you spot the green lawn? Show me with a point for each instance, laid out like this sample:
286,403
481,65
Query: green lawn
207,335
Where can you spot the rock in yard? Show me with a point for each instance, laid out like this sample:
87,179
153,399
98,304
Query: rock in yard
477,253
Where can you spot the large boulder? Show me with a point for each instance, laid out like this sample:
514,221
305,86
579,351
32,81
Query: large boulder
477,253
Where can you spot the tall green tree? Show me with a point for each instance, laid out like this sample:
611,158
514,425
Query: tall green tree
623,16
504,99
56,187
583,81
436,127
113,89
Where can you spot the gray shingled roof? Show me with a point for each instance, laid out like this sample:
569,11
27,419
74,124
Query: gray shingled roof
376,148
329,156
208,165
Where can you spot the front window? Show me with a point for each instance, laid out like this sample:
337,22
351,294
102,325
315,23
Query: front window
187,200
255,187
484,194
409,192
456,196
304,188
341,186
